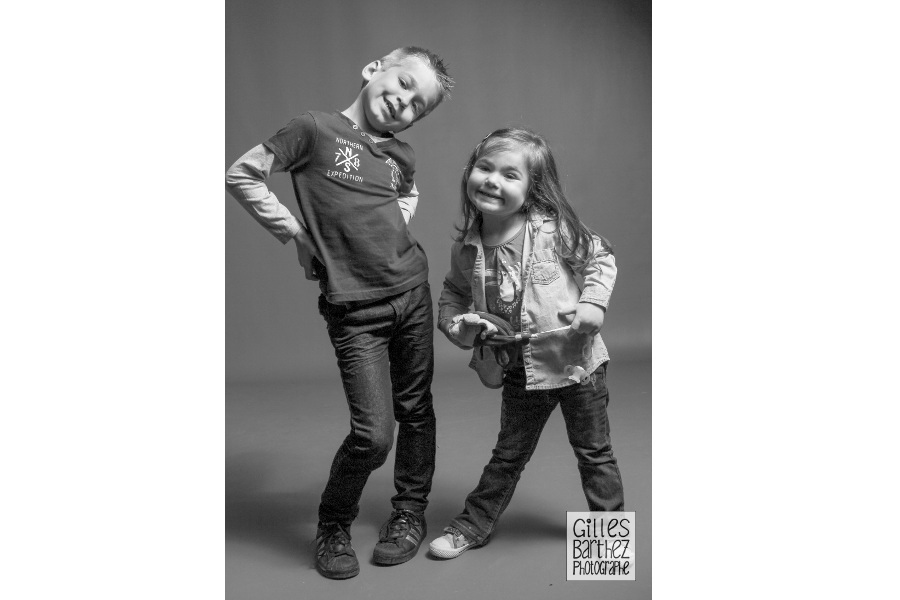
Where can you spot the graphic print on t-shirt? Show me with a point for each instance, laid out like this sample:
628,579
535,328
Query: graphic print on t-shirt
346,158
347,163
503,288
395,173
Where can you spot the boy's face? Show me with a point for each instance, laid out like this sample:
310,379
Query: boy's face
396,96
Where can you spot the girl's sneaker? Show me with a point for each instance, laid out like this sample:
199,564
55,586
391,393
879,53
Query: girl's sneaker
451,544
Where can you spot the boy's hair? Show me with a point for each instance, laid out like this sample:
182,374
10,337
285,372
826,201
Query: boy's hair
545,193
434,62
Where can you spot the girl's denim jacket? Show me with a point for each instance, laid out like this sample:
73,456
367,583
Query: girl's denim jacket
550,285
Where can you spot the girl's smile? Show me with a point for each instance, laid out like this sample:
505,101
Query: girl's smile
488,195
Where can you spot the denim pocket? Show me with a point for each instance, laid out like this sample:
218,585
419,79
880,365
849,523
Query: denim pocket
545,268
332,313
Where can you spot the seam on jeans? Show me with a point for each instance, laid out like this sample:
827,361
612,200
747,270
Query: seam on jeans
619,473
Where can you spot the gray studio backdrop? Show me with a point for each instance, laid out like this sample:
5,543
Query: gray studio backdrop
579,72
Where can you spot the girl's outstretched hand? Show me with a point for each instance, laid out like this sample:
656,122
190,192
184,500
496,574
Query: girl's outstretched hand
463,330
585,317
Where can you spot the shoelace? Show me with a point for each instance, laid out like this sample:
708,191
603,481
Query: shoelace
334,540
399,524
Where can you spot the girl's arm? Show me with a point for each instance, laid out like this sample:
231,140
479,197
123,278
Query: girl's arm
599,278
599,275
456,297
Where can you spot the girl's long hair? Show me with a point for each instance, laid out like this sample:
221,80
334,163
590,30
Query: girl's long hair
544,194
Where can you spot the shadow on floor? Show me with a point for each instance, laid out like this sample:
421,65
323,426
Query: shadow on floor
282,521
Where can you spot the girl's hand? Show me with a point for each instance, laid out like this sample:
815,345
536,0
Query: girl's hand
463,330
587,319
444,327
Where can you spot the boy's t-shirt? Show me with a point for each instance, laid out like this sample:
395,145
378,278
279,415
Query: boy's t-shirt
347,187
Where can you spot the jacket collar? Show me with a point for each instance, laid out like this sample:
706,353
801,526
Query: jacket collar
535,217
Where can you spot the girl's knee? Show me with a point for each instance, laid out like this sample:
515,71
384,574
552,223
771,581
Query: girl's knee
510,455
420,413
592,455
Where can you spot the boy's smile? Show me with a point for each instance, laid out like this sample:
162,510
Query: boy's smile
394,97
391,108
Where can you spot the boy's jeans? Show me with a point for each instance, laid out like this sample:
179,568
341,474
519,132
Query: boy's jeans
386,358
523,415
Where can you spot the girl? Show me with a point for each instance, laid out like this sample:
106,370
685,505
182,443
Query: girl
523,255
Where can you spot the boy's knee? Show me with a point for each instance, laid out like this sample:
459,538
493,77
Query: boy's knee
382,444
375,446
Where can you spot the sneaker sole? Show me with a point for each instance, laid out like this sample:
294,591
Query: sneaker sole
338,574
448,552
385,559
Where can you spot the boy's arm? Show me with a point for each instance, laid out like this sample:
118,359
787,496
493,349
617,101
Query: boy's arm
408,203
246,182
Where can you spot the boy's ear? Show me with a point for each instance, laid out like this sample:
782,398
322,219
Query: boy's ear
371,68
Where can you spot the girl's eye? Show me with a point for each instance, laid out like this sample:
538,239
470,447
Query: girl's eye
403,84
511,176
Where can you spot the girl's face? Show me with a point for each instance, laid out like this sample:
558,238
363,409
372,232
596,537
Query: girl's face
498,184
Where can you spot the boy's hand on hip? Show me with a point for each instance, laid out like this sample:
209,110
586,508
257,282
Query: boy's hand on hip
306,252
585,317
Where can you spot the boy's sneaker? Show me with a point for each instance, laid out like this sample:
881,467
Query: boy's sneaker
335,557
451,544
400,537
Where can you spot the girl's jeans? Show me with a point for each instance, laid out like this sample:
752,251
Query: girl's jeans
523,415
386,358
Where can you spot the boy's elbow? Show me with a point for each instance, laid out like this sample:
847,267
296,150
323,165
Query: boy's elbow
230,178
235,178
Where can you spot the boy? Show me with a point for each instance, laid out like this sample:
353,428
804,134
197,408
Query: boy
354,184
